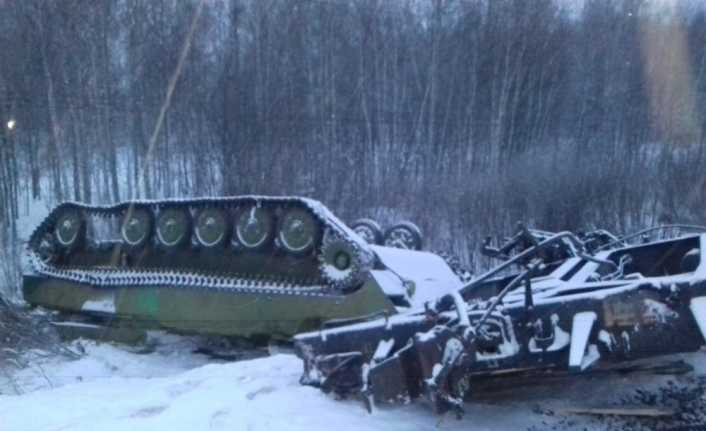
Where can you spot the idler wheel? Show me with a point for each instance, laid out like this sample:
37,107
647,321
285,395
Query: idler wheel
404,235
340,262
70,230
298,231
254,227
212,227
369,230
173,227
137,227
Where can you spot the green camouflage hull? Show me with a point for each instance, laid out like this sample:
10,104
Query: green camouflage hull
246,266
196,311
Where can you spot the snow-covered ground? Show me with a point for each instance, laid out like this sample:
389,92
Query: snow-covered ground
113,388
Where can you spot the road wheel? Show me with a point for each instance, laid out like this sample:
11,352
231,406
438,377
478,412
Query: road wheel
70,230
137,227
254,227
212,227
404,235
173,227
369,230
298,231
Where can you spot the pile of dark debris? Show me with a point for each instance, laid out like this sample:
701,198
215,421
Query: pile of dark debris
675,406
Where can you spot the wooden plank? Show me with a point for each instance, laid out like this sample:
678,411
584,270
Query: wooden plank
644,412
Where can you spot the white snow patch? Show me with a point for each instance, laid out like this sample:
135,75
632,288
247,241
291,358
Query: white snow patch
111,389
606,338
76,325
383,349
430,274
561,338
698,309
592,355
580,330
658,312
105,304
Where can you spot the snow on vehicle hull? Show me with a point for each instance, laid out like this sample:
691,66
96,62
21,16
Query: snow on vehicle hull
246,266
584,310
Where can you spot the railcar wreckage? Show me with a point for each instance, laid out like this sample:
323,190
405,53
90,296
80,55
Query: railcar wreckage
578,302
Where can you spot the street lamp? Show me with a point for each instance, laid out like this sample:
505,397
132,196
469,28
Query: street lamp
11,125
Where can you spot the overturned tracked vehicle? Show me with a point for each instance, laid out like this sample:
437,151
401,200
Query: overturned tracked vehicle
251,266
557,302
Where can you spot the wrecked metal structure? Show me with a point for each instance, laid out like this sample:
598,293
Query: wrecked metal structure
557,302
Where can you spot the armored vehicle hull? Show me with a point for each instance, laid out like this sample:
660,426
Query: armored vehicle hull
251,266
205,311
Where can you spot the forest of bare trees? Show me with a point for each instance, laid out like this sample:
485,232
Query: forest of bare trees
464,116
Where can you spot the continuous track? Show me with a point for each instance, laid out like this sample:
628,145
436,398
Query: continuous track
51,258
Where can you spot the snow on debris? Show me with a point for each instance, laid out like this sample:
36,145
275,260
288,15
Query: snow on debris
429,272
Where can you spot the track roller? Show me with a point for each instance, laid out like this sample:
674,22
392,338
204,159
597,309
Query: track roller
70,230
254,227
212,227
298,231
404,235
173,227
369,230
137,226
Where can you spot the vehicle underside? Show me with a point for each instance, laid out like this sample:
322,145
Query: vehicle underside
260,268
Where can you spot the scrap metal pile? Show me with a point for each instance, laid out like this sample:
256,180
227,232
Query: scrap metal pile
557,301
